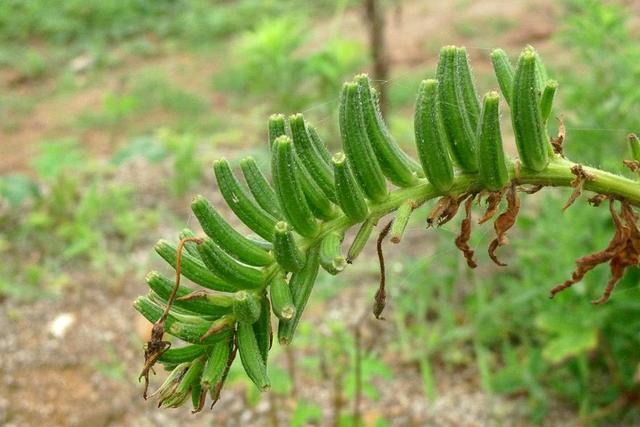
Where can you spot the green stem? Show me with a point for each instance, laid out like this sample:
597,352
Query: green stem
556,174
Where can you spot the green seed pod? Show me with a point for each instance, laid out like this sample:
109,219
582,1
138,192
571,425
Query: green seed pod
226,267
187,382
455,101
540,71
262,328
190,247
192,268
184,327
246,307
225,236
319,204
175,356
504,72
170,384
216,365
634,146
281,298
395,163
163,287
349,195
310,157
403,214
251,358
319,146
241,203
361,239
546,101
359,151
259,187
196,397
331,258
431,138
301,285
464,78
267,246
288,255
493,167
292,199
277,127
528,127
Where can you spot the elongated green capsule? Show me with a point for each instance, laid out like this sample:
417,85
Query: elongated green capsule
546,101
493,167
319,146
230,270
292,199
319,204
164,286
225,236
300,285
349,195
187,328
277,127
359,151
466,85
634,146
262,328
431,138
403,214
361,239
252,361
192,268
455,104
281,300
190,247
504,72
395,163
190,379
331,258
216,365
246,306
288,255
526,117
259,187
310,157
175,356
540,71
267,246
241,203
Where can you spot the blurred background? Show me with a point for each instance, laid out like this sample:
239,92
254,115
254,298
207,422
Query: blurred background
111,113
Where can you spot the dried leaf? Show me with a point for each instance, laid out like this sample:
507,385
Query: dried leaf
580,178
557,142
504,222
465,233
493,203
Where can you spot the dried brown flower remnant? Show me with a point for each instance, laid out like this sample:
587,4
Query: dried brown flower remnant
597,199
156,347
581,176
622,251
462,241
439,210
556,143
380,298
504,222
493,203
632,165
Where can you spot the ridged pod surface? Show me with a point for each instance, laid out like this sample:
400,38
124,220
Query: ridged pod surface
310,156
246,307
491,160
281,300
301,285
251,357
227,268
546,101
526,117
357,147
459,120
292,199
216,365
262,328
331,258
349,195
403,214
361,239
288,255
260,187
216,227
431,138
241,203
395,163
504,72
